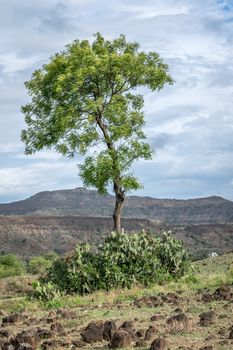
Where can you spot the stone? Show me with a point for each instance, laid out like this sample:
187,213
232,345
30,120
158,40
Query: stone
141,333
156,318
127,325
207,318
25,346
150,333
56,327
11,319
29,337
180,318
93,332
120,339
110,328
141,343
159,344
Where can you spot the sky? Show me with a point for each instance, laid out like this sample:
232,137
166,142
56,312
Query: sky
189,124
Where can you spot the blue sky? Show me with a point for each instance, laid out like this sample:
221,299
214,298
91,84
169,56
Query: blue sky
190,124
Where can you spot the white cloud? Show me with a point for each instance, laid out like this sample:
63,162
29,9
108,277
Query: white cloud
11,63
156,8
10,147
35,177
191,121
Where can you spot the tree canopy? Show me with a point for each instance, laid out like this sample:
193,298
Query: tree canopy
85,101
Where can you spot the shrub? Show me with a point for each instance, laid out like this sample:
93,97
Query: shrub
39,264
173,256
120,261
11,265
45,292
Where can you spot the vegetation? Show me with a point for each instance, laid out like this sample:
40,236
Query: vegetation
39,264
11,265
84,101
120,262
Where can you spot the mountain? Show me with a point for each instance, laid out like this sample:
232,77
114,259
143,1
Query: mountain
36,235
57,220
88,203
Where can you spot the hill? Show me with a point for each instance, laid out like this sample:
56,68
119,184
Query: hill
88,203
35,235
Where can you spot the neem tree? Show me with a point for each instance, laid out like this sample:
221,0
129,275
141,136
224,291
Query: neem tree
84,101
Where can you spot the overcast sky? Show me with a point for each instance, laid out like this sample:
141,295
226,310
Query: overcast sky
190,124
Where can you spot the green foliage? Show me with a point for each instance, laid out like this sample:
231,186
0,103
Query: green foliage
121,261
173,256
84,99
45,292
39,264
11,265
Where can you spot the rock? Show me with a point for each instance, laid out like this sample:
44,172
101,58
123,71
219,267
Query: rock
156,318
171,298
224,342
149,301
223,293
141,343
207,318
109,329
222,332
210,337
208,347
150,333
29,337
8,346
79,343
127,325
25,346
207,297
67,314
120,339
4,333
178,311
56,327
141,333
44,333
52,344
49,320
179,319
14,318
93,332
159,344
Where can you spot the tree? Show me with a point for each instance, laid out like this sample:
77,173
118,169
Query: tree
84,101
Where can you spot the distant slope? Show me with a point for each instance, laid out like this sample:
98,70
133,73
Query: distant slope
35,235
83,202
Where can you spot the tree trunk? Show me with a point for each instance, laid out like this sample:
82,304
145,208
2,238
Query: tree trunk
120,197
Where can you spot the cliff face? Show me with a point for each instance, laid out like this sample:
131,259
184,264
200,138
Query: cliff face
57,220
82,202
35,235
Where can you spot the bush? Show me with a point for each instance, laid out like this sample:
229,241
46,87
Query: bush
39,264
45,292
11,265
120,261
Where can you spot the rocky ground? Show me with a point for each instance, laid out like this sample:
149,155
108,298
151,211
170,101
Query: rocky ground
195,313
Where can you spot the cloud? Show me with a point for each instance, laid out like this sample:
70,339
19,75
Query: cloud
25,180
189,124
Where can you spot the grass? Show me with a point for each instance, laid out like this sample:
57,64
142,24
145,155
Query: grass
209,273
117,305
